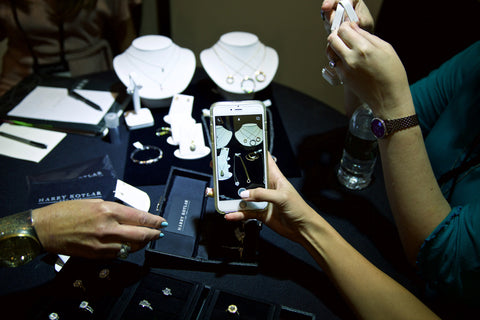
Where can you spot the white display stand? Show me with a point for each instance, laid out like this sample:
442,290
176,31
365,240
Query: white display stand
139,117
185,132
163,69
239,63
192,144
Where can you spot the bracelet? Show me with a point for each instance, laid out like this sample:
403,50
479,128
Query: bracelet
19,243
140,147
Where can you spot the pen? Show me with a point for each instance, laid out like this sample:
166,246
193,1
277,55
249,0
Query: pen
23,140
79,97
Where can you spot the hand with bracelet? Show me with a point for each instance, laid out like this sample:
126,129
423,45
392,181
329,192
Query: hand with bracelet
85,228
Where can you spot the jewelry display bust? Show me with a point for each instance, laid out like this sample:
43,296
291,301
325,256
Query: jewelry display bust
163,69
239,63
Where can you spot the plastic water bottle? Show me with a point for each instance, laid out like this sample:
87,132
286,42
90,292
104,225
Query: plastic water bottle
360,151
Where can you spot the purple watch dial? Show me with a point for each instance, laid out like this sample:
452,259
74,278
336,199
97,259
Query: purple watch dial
378,128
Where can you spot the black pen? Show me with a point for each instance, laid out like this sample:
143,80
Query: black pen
77,96
23,140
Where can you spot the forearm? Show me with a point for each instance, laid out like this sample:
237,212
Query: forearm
415,198
370,292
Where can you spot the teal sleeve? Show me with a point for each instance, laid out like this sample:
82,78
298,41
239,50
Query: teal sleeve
449,259
434,92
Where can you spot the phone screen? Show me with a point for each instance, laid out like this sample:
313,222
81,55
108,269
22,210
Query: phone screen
240,154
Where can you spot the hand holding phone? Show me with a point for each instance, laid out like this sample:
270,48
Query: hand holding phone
239,142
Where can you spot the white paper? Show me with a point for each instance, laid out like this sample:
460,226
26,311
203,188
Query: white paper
20,150
132,196
50,103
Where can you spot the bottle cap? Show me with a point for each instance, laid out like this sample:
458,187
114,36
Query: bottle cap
111,120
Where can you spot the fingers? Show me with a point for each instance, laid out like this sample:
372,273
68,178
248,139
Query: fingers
131,216
135,227
241,215
347,38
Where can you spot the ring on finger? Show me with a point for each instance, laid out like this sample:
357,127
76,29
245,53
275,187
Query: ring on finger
124,251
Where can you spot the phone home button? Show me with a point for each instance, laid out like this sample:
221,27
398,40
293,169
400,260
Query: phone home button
243,204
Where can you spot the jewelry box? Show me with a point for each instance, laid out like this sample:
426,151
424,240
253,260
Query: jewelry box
197,235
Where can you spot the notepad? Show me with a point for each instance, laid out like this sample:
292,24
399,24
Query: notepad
54,104
19,150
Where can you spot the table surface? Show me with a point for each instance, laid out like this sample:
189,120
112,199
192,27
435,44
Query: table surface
287,275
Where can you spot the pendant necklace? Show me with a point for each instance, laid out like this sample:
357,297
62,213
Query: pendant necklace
249,135
223,136
162,68
260,76
239,155
223,165
247,84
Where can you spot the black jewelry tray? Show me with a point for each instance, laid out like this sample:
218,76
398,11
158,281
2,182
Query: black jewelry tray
159,296
197,236
222,304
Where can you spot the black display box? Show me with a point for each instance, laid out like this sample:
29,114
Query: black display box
197,235
221,304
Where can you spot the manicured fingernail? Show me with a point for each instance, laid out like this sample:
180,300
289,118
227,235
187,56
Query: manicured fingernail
162,235
164,224
245,194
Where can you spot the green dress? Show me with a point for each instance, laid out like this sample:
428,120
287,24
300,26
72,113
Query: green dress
447,102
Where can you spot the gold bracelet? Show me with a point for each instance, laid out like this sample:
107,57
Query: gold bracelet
19,243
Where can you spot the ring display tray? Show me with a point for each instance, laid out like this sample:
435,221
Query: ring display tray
221,304
197,235
227,305
162,297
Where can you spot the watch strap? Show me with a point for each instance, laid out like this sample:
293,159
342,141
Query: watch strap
383,128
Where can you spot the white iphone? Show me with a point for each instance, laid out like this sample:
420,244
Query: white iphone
239,153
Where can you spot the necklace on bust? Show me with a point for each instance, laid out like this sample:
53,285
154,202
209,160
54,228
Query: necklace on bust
249,135
223,166
247,84
169,65
223,136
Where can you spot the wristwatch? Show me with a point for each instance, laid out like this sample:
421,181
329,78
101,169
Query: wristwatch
19,243
383,128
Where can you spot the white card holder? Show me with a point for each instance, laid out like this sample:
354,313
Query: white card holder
181,105
192,143
132,196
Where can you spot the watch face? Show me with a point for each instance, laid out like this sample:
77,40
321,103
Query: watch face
378,128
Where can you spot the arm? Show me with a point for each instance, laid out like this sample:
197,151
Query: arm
369,291
84,228
372,70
